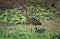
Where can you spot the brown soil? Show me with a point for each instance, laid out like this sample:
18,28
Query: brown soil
53,24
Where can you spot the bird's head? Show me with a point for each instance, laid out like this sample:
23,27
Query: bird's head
22,8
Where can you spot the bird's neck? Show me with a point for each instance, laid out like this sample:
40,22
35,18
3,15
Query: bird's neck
27,16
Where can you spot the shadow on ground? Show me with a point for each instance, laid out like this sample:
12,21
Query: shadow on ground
40,31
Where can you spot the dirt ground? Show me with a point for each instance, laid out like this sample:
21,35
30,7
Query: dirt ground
53,24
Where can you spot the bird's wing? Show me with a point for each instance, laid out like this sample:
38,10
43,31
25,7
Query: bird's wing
35,21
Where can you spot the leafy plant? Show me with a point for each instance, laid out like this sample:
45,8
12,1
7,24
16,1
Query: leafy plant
15,16
56,35
12,16
22,33
41,13
34,2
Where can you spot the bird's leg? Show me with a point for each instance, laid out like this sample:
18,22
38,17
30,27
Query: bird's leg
36,27
31,27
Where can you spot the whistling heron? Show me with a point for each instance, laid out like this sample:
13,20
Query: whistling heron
30,19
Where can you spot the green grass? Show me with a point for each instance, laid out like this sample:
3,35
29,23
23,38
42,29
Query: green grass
15,16
23,32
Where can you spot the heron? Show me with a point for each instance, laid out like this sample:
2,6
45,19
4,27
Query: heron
31,19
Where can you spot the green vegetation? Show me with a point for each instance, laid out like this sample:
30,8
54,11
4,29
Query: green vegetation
12,16
34,2
18,32
15,16
39,11
56,35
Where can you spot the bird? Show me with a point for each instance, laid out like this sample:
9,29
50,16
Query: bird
31,19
